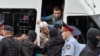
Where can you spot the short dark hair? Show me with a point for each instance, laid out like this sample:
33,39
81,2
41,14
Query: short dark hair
8,28
32,35
57,8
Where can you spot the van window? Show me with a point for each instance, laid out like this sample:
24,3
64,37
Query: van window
22,20
83,23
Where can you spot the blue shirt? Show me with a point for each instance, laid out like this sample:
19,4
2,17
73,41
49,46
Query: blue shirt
82,46
71,47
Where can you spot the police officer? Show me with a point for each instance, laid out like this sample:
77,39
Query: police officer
71,46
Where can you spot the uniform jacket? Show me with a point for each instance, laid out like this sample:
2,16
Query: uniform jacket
71,47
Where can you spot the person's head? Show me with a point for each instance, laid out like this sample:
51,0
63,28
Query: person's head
44,28
32,35
57,12
53,32
93,36
66,31
7,31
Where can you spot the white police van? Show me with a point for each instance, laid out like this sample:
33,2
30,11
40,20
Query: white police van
84,14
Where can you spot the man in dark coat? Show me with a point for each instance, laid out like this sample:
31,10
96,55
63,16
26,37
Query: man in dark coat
93,37
10,46
54,45
32,36
98,46
28,45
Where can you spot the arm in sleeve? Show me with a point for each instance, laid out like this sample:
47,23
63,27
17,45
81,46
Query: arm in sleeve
47,18
1,48
69,49
22,51
88,54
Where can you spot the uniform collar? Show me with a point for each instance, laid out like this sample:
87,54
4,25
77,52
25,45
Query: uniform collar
69,38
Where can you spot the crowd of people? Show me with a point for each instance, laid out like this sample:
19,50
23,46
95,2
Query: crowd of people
53,42
56,39
68,34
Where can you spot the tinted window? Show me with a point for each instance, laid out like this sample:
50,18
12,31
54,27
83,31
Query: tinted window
22,20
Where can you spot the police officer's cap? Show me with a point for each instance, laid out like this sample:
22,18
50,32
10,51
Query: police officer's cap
66,28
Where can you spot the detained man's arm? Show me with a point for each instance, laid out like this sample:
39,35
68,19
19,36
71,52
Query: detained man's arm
47,18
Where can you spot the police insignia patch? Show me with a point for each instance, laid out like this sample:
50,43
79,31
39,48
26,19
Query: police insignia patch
68,47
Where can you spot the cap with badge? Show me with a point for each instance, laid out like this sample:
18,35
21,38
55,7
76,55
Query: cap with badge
75,31
66,28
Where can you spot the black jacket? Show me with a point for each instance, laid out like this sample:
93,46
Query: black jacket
29,48
98,46
11,47
91,47
54,46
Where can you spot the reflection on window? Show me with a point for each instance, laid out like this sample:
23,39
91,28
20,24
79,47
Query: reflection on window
91,23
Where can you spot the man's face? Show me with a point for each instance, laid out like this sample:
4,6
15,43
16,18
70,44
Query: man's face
65,34
1,32
57,13
98,37
45,30
6,33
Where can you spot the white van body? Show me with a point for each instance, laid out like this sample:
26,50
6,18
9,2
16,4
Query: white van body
82,13
23,4
80,7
